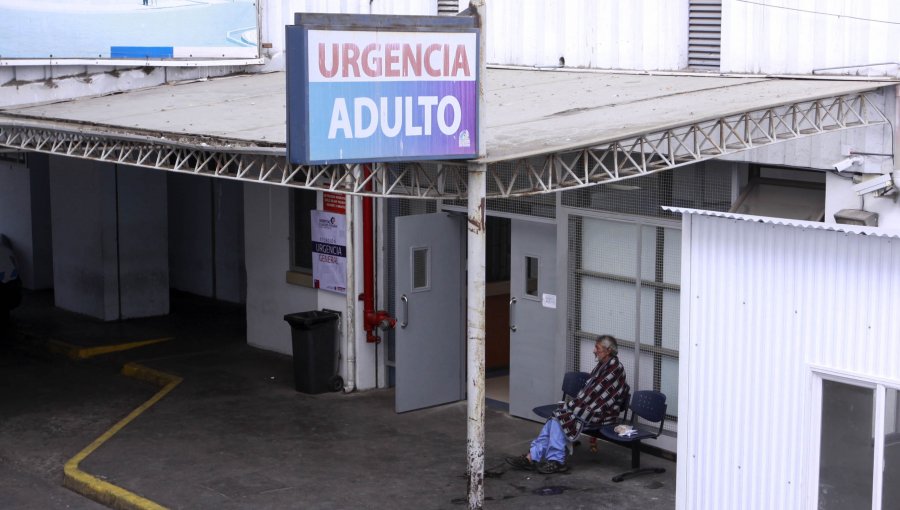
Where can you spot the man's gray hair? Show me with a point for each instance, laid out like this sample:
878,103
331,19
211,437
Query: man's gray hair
610,343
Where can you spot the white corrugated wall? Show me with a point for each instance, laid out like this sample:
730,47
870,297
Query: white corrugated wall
609,34
798,36
761,304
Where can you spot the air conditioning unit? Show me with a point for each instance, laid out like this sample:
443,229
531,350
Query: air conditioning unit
856,217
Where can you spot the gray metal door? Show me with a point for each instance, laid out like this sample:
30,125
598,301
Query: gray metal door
533,316
429,336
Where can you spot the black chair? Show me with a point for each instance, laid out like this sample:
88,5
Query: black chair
572,384
651,407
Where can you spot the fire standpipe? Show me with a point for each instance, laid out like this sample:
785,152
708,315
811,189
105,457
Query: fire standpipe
373,319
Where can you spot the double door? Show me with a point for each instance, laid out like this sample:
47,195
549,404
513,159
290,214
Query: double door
430,286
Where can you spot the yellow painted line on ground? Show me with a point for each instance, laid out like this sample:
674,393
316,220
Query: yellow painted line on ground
104,492
76,352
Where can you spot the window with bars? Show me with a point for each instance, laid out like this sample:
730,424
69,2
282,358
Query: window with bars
626,282
303,201
625,263
705,34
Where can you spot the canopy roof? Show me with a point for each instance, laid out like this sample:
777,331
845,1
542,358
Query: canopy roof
558,128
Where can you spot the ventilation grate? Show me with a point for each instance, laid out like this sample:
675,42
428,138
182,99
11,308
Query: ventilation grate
705,34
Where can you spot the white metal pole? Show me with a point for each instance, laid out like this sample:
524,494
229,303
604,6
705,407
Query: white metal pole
476,227
350,318
475,334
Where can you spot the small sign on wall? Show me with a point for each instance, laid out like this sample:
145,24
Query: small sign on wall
329,242
548,300
334,202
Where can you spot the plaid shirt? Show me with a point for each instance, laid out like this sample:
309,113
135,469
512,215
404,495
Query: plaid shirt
599,400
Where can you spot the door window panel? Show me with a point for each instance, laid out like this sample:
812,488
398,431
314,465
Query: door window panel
846,447
420,268
531,276
890,495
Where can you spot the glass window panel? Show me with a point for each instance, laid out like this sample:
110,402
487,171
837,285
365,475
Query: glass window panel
667,322
783,202
420,268
672,256
607,307
665,379
531,276
609,247
302,203
648,253
890,494
668,383
846,450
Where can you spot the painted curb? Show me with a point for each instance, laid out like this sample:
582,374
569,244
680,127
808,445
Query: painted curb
104,492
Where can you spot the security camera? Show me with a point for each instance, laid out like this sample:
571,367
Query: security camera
881,185
846,163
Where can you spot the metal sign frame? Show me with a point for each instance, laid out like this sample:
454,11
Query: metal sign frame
300,101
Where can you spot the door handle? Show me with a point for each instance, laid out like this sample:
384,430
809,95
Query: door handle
405,311
512,314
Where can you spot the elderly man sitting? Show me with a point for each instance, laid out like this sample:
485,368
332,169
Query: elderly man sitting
598,401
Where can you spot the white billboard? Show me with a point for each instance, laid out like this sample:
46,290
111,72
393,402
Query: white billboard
132,30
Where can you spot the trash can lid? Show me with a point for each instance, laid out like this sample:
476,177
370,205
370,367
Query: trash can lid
305,320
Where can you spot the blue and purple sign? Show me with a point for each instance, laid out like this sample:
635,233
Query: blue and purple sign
383,94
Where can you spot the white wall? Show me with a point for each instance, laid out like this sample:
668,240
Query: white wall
206,236
798,36
761,304
607,34
15,216
267,253
83,198
190,233
270,297
230,274
41,247
110,239
143,251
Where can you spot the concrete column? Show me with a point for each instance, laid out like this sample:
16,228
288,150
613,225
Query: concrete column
110,239
25,218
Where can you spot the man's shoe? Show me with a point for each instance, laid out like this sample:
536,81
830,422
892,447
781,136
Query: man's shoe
521,462
551,466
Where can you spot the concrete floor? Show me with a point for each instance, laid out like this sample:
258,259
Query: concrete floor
235,435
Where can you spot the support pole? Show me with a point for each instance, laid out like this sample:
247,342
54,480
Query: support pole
476,228
475,334
350,318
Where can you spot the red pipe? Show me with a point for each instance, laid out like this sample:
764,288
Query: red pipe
372,319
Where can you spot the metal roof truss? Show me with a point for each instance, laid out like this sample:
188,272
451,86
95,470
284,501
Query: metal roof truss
631,156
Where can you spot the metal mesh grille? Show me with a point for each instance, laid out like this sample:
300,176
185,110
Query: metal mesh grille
624,276
542,205
395,208
698,186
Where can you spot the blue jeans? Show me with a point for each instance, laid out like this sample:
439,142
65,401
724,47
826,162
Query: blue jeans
550,443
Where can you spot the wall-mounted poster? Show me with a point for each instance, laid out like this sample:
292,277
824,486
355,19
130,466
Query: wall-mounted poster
329,241
128,29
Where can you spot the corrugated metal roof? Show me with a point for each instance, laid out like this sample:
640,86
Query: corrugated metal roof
833,227
529,112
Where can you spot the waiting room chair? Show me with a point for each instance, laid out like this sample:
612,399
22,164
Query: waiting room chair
650,406
572,384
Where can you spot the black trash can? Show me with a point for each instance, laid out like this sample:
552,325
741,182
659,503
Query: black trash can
312,337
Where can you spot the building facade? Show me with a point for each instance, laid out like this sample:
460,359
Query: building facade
113,239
